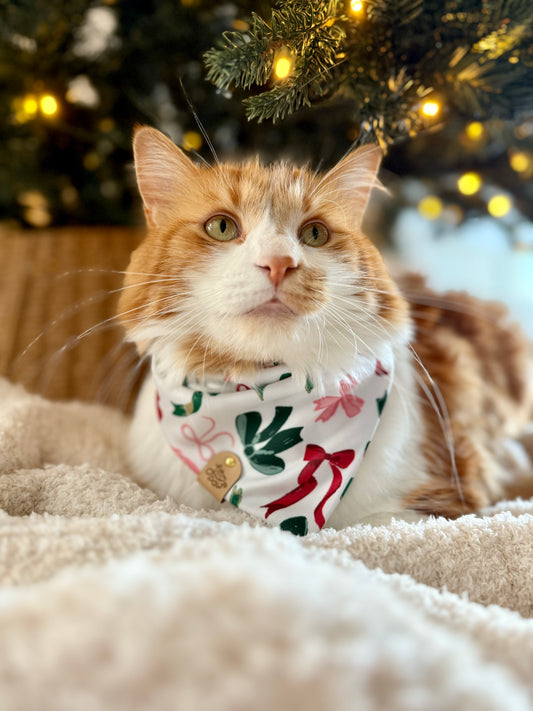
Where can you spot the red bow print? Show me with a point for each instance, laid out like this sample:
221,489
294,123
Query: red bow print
315,456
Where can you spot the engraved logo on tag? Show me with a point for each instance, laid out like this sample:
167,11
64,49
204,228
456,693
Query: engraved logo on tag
220,474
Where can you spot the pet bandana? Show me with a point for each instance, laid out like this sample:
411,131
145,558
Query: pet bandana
276,449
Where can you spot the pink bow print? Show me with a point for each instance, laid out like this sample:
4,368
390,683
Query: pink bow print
204,440
350,403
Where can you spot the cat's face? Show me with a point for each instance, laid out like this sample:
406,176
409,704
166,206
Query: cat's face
245,265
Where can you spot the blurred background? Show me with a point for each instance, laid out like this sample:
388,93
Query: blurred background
445,87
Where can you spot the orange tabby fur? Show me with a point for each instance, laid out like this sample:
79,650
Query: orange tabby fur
480,364
236,189
472,361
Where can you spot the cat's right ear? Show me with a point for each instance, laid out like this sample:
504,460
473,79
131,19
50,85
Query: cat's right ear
163,173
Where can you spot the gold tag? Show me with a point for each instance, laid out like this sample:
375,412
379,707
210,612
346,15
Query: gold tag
220,473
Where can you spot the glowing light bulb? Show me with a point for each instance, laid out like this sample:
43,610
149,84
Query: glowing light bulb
499,205
192,141
48,104
469,183
30,105
520,161
282,66
430,108
430,207
475,130
356,6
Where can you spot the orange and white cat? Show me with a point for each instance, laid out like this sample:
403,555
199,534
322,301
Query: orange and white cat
247,269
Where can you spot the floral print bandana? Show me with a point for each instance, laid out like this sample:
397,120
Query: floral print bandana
298,449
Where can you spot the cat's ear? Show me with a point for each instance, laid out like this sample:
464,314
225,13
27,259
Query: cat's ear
353,178
163,172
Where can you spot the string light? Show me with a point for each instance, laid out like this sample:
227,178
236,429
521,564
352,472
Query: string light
475,131
240,25
430,207
430,108
499,205
35,208
30,105
192,141
282,68
469,183
48,105
521,162
356,6
283,63
25,108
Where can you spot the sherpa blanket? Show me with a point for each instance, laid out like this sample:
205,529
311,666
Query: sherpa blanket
113,599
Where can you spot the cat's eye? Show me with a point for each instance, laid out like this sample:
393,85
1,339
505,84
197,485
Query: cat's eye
314,234
222,228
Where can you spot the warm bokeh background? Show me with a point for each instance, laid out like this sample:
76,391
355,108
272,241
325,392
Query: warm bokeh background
77,75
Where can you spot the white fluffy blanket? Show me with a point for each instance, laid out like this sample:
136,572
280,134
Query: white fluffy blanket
112,599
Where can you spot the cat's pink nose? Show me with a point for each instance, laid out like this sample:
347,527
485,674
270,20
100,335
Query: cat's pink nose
277,268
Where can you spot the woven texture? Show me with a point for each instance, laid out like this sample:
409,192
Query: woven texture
57,286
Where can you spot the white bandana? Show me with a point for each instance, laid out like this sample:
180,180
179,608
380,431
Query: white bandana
299,451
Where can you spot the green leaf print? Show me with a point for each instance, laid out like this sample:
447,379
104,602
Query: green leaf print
236,497
276,440
380,402
281,416
297,525
190,407
260,389
284,440
266,462
247,426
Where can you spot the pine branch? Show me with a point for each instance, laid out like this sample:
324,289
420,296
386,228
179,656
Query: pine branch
246,62
312,33
386,60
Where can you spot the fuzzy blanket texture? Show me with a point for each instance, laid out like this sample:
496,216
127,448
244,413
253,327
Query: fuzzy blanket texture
113,599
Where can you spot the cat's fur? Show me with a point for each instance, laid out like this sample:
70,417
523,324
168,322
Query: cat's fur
443,443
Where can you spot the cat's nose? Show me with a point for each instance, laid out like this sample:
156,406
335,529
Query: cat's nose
277,267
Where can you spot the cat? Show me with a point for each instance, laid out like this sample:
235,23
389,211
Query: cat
256,283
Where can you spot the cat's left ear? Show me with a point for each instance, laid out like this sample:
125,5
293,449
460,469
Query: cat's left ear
353,179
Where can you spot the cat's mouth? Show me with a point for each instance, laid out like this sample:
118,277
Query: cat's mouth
274,308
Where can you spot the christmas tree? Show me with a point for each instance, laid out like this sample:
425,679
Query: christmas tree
77,75
399,65
446,87
400,72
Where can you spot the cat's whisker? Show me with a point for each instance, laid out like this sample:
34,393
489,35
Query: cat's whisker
113,272
448,302
117,318
438,403
72,311
200,125
122,364
366,313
